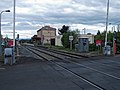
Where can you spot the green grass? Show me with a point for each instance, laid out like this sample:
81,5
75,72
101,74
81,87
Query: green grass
2,58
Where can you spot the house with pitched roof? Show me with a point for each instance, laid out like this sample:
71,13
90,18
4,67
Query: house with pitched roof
47,35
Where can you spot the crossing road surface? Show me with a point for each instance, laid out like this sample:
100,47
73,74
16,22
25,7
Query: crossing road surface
31,73
39,76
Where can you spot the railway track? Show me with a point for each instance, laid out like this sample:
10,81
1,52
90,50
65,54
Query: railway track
72,61
70,54
68,70
78,56
63,63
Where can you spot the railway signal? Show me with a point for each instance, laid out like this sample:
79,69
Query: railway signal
114,42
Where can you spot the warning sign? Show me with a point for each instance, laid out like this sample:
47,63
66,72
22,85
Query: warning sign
98,42
10,43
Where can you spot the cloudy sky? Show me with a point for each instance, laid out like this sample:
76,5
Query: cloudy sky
78,14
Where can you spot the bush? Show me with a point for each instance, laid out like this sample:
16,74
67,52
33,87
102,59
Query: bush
92,47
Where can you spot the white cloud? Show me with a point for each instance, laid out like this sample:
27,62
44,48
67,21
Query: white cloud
46,1
33,14
23,10
68,10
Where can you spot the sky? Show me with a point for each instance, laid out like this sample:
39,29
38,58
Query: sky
31,15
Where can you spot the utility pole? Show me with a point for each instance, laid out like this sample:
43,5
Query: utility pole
14,31
107,18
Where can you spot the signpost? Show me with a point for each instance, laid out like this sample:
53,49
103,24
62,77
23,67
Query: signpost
98,44
71,39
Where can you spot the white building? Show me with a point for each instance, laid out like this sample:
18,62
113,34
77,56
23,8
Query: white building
58,41
89,36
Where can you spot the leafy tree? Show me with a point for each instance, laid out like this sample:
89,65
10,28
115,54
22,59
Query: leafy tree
63,30
118,37
65,39
103,34
110,36
118,34
98,36
98,33
77,31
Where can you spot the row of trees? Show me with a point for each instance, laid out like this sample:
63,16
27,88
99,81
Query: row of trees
99,36
110,35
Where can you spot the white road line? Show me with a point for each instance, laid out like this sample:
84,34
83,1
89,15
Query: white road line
96,70
98,87
2,68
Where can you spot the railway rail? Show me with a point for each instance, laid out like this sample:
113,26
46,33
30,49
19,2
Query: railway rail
52,53
68,70
78,56
63,64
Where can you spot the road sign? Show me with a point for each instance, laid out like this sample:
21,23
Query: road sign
70,38
10,43
98,42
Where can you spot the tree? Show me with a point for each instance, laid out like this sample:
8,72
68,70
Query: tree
77,31
65,39
98,36
110,36
98,33
63,30
118,36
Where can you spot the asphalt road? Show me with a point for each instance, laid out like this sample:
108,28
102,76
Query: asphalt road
39,75
31,73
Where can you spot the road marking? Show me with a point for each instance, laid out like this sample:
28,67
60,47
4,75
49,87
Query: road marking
96,70
2,68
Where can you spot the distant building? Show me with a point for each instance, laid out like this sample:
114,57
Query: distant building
47,35
89,36
58,41
36,40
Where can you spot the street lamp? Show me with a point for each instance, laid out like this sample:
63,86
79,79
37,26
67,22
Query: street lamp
0,31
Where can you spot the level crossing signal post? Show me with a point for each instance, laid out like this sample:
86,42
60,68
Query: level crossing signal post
114,42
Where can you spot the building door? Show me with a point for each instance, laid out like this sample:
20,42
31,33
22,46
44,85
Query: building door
53,41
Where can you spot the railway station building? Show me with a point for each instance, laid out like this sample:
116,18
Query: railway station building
47,35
